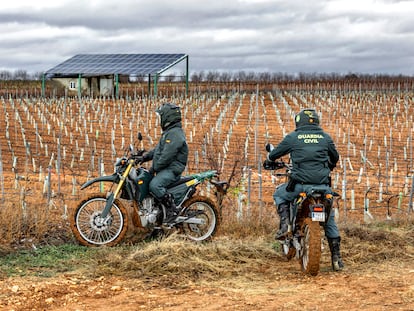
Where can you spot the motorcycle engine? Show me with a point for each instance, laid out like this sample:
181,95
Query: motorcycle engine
148,212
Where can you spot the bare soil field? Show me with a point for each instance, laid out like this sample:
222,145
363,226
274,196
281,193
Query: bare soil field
388,286
229,274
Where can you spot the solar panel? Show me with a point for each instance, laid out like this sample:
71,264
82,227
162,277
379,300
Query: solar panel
126,64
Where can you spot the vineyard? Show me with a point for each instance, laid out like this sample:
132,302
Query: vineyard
50,146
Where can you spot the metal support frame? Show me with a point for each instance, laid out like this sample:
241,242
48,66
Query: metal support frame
80,85
157,75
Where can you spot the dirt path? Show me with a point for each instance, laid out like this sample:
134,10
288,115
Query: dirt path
283,287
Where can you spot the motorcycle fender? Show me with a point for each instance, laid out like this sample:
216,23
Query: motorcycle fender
108,178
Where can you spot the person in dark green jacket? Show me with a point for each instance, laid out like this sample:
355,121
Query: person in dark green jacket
169,157
313,155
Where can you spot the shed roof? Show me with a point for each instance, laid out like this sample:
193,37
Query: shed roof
125,64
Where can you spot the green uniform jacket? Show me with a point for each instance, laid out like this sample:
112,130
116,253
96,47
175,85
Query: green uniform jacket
312,152
171,151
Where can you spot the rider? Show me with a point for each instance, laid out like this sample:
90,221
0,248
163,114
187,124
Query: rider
313,155
169,157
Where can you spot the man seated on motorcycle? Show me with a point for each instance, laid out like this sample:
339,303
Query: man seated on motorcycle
169,157
313,155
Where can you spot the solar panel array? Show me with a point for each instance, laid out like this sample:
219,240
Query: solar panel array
105,64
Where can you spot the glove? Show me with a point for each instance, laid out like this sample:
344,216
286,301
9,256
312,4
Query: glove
273,165
138,159
268,165
146,157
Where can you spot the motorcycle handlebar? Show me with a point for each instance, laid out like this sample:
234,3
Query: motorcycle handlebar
274,165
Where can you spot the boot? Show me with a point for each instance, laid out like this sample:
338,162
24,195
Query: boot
283,211
334,246
171,209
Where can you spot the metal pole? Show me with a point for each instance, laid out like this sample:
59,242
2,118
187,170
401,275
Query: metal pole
186,76
344,186
116,86
149,85
79,86
257,123
156,85
43,85
410,204
249,184
259,169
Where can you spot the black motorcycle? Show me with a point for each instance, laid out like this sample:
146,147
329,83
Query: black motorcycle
308,214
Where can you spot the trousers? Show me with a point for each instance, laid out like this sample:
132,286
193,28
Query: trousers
160,182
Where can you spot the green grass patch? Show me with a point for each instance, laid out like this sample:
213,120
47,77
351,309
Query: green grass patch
46,261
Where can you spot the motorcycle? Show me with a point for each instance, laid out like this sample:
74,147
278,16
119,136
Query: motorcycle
102,219
307,215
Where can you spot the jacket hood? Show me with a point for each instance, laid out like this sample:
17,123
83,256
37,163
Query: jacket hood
169,114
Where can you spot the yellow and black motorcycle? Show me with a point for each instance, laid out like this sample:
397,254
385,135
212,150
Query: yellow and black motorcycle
102,218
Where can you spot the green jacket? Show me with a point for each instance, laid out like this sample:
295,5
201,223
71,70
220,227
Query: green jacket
171,151
312,152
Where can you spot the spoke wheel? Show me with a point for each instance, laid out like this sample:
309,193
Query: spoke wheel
90,229
203,209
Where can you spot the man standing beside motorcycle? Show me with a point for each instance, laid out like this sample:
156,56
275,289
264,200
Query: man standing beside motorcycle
169,158
313,155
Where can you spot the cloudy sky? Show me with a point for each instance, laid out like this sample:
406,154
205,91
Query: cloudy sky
290,36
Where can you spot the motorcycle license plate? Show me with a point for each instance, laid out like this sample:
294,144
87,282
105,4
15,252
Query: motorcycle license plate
318,216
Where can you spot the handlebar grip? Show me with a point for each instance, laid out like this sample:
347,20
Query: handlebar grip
138,159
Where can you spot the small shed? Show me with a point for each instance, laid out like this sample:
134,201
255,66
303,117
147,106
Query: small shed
102,72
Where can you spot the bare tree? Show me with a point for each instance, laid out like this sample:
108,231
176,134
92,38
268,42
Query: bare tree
212,76
170,77
226,76
197,77
20,74
5,75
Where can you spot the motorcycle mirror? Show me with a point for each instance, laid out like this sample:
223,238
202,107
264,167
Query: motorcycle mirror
269,147
139,136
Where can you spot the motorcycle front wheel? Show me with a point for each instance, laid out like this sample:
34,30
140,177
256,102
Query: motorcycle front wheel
311,247
90,229
205,212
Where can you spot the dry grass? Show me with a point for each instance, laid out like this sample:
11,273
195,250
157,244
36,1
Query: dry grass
24,223
173,261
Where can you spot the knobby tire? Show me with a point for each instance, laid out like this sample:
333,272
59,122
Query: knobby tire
76,227
311,253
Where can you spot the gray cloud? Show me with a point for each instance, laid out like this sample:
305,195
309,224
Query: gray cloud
281,36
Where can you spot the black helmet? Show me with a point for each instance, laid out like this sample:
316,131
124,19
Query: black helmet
169,114
306,117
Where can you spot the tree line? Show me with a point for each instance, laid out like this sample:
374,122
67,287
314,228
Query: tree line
19,74
227,76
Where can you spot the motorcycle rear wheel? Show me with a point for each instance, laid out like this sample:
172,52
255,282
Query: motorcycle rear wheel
205,210
311,247
87,225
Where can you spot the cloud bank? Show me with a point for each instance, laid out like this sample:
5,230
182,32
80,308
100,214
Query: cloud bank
338,36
